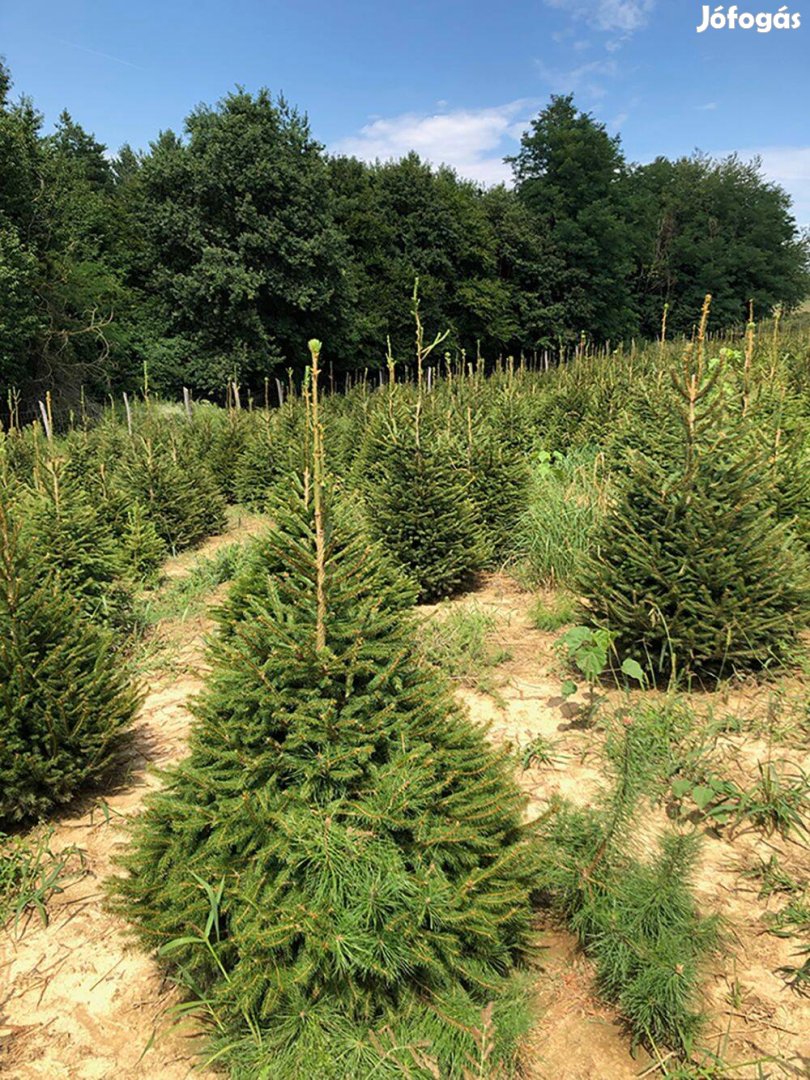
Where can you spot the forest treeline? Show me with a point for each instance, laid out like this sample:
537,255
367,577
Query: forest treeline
216,254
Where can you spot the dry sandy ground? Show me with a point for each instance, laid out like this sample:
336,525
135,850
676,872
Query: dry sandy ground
755,1016
77,1003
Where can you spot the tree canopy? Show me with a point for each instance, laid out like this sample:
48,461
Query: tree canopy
214,254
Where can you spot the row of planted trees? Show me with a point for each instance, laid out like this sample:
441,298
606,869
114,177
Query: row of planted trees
340,869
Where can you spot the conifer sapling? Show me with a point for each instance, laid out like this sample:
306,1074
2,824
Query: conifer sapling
340,866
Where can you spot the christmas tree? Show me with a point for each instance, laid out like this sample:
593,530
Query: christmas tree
272,449
499,483
75,545
65,701
419,505
176,490
142,548
340,866
694,574
262,563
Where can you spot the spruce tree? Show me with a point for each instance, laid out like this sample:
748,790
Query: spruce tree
65,701
272,450
499,483
339,868
419,505
75,546
142,547
693,571
261,563
175,488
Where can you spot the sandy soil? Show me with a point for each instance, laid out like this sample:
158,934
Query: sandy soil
77,1002
754,1015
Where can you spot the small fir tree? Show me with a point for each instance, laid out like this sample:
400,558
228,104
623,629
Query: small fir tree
175,488
75,546
65,700
260,566
339,867
420,509
142,548
693,571
272,450
499,487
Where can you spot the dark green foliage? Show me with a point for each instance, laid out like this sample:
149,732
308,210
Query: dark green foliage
214,254
789,455
260,564
142,547
240,254
570,174
339,867
65,700
175,488
420,509
499,485
218,436
273,448
74,545
60,283
704,225
482,261
693,573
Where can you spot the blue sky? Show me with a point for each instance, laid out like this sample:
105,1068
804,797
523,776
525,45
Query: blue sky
456,81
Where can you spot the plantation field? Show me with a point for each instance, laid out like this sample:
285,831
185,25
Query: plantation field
454,726
82,1003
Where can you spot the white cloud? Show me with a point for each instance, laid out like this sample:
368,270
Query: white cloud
790,167
472,141
710,106
585,79
611,16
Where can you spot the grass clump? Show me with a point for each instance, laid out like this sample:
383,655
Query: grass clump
779,799
794,921
568,498
456,639
540,751
188,595
551,615
634,914
30,874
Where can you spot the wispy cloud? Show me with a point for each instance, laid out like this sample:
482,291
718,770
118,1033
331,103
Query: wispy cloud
472,141
103,55
587,79
610,16
710,106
